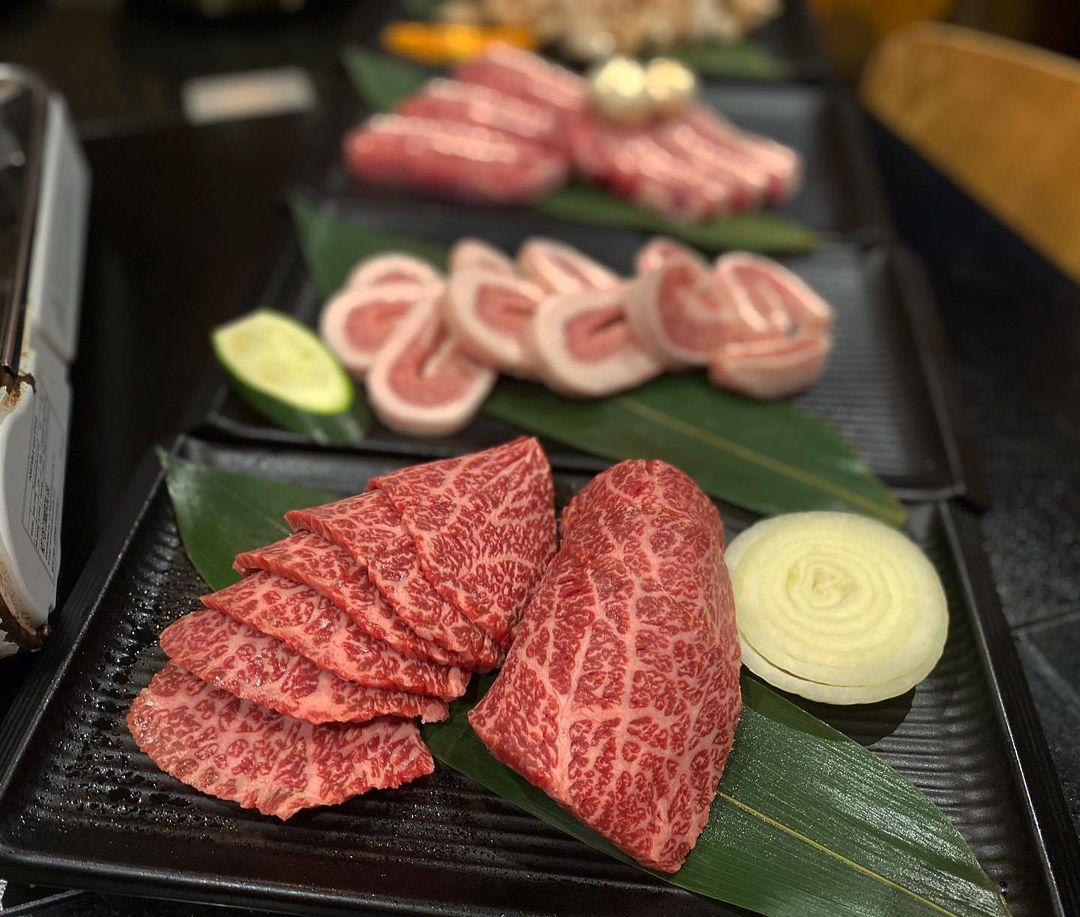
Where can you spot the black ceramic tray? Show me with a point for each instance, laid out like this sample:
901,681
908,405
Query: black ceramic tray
80,806
887,388
841,190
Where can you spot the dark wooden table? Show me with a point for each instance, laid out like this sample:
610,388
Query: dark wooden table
181,224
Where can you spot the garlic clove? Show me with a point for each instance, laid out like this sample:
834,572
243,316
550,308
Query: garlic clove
617,91
669,85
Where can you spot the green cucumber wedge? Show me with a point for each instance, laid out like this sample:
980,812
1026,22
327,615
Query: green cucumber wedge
282,370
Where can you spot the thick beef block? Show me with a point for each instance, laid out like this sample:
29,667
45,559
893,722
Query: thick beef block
620,695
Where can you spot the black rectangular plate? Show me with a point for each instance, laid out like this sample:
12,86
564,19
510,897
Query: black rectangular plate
841,189
886,389
81,806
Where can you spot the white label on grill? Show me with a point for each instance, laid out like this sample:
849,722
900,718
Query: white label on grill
45,471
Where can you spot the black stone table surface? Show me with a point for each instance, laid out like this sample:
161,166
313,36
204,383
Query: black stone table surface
184,217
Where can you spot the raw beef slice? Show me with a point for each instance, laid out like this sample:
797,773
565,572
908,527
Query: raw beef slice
331,571
308,623
619,698
484,527
234,749
370,529
237,658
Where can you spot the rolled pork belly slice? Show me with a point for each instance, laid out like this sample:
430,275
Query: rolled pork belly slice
638,168
526,76
559,268
615,648
771,368
489,313
357,321
782,164
312,626
370,528
661,250
482,106
395,268
250,665
583,345
779,298
331,571
423,381
484,528
236,750
453,160
468,253
679,313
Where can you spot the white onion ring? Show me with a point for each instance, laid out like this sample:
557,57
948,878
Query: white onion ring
836,607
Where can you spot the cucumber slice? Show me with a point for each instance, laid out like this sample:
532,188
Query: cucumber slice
284,372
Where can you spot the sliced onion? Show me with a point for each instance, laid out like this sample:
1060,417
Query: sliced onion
836,607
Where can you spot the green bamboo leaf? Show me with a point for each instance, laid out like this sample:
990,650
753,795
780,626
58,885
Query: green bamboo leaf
769,458
221,513
744,59
332,246
382,79
758,232
806,822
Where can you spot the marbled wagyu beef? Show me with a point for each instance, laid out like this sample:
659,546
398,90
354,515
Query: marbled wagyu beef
299,685
234,749
620,695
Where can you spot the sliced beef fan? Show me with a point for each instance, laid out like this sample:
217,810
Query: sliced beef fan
484,528
332,572
312,626
283,694
583,346
237,750
620,696
422,381
371,530
248,664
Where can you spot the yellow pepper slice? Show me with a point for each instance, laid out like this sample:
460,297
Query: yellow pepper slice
436,44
